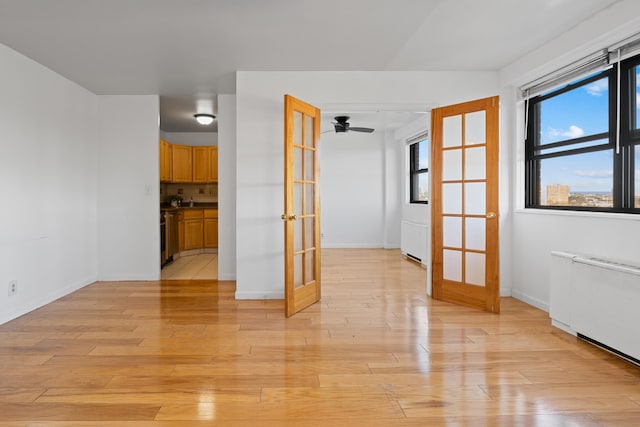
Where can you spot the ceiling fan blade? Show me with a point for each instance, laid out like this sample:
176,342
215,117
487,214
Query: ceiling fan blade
357,129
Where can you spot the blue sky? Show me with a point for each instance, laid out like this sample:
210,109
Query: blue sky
580,112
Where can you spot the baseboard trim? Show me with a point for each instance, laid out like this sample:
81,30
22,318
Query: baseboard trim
259,295
41,302
352,246
530,300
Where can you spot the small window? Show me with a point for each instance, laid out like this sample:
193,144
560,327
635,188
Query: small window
419,171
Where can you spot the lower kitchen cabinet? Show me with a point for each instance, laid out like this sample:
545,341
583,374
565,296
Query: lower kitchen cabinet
180,231
197,229
210,228
193,229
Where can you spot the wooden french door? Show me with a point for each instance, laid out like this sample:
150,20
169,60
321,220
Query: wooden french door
464,201
301,205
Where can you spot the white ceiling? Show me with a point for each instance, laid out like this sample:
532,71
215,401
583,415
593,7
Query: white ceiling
188,50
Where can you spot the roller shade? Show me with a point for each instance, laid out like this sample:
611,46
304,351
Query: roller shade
587,65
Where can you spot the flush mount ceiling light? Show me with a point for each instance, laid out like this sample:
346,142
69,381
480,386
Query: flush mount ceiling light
204,119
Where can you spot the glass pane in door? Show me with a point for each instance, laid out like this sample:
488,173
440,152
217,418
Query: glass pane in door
309,269
297,166
475,128
474,268
475,198
297,271
475,233
297,198
452,165
452,265
297,236
475,163
308,233
452,198
452,231
309,165
452,131
297,127
309,199
308,131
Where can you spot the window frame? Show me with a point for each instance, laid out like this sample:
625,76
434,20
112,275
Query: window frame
414,170
623,191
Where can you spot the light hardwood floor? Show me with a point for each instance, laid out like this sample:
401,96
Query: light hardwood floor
374,352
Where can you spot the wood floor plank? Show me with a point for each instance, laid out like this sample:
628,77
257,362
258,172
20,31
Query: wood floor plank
375,351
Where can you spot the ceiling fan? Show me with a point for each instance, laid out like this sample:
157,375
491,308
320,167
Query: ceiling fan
342,125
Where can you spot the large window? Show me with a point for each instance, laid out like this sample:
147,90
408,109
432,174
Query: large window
419,170
575,156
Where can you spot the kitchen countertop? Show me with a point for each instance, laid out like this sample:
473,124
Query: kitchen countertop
196,205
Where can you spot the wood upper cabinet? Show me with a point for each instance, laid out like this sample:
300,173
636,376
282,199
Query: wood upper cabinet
213,164
166,174
193,229
185,163
201,164
182,163
210,228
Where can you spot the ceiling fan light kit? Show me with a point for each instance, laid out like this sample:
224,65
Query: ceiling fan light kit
342,125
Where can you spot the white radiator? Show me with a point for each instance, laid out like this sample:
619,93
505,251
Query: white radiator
598,300
414,240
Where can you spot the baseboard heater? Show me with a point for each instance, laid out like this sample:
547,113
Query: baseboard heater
413,240
598,300
413,257
609,349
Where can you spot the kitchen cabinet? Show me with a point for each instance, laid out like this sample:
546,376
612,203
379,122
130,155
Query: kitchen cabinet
201,166
180,230
193,229
213,164
210,228
182,163
188,164
165,161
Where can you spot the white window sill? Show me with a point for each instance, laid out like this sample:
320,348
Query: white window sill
583,214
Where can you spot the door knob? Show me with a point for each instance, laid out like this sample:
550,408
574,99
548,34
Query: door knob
293,217
491,215
285,217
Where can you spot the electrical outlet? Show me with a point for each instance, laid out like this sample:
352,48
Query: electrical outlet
13,288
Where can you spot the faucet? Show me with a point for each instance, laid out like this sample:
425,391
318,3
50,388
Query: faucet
191,202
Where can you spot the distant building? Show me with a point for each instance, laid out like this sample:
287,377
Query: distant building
558,194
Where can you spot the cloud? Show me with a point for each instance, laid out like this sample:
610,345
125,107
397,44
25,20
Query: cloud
603,173
598,88
573,132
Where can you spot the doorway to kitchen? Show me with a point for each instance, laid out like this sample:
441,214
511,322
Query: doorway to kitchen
192,267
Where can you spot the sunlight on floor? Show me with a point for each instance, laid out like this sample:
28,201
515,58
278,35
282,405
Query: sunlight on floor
192,267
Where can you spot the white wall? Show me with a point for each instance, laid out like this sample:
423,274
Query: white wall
260,252
536,233
128,188
191,138
227,187
394,181
352,177
48,185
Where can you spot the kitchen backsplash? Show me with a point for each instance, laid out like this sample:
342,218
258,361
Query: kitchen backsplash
200,192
